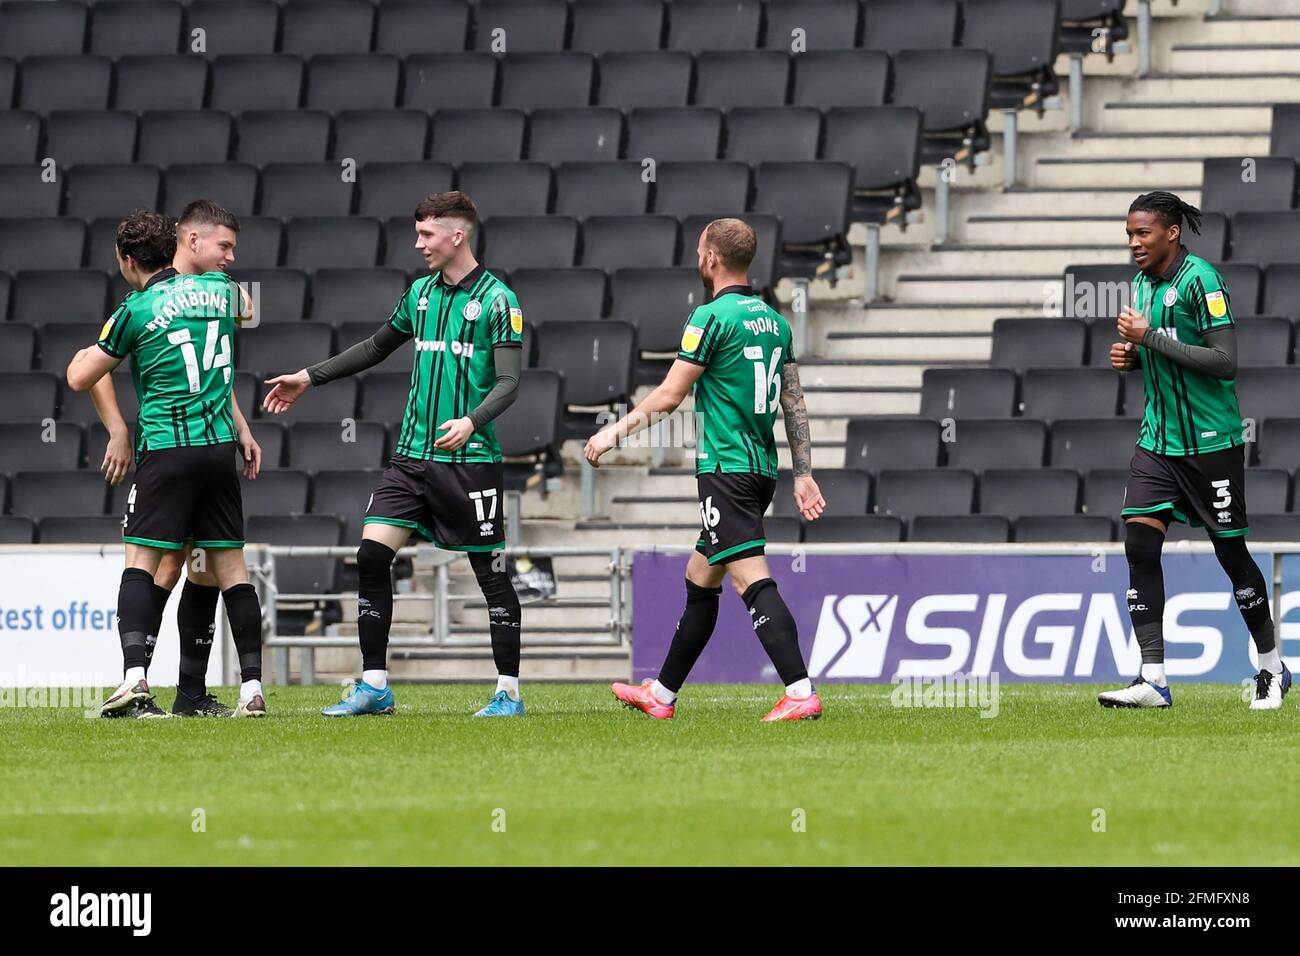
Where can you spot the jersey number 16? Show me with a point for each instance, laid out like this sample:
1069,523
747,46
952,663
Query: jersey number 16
766,383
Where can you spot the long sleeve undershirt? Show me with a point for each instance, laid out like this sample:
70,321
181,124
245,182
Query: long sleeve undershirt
1217,358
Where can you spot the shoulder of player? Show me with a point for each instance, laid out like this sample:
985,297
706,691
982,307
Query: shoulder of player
1194,268
491,290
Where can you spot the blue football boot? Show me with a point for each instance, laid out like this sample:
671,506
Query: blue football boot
502,705
359,699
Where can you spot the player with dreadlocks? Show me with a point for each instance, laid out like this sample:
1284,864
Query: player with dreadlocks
1189,464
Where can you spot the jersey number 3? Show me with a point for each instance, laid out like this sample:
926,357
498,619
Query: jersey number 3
766,384
211,358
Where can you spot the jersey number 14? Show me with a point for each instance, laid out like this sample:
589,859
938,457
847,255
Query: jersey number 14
211,357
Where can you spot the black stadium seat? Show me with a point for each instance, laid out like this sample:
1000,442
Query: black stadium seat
596,360
521,26
840,78
80,529
1268,392
532,81
1211,243
274,349
36,29
168,137
233,185
683,189
1264,340
392,136
73,137
1022,36
730,79
60,341
26,445
384,396
882,144
760,134
699,25
20,133
628,242
1244,282
590,134
8,80
314,446
394,189
528,242
141,27
1044,529
65,83
1282,290
1266,237
260,241
783,529
335,402
1053,394
531,428
111,190
1015,491
878,442
1276,446
847,492
41,494
951,89
1086,24
235,26
301,575
1268,490
932,491
257,82
482,135
976,529
283,491
645,79
353,82
327,26
432,82
1284,136
279,295
1274,527
23,195
160,83
17,346
672,134
549,295
812,202
845,529
893,25
52,295
602,27
1226,188
1092,443
422,26
507,189
305,189
346,294
28,397
1103,490
600,189
16,530
1024,343
977,444
282,136
331,242
829,25
967,393
344,493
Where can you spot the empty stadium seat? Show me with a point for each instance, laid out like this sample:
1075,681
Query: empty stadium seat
1244,282
849,529
1057,393
828,79
233,185
235,26
394,136
64,83
422,26
1092,443
73,137
111,190
36,29
1274,527
1089,26
353,82
282,136
951,89
27,397
342,295
645,79
882,144
257,82
684,189
335,402
1022,36
17,346
80,529
698,25
590,134
168,137
300,575
53,295
1284,133
275,349
828,25
17,530
600,27
1103,490
431,82
160,83
272,437
905,492
344,494
60,341
507,189
894,25
1263,340
812,202
260,242
596,360
528,242
974,529
314,446
331,242
1211,243
1275,446
531,81
1023,343
967,393
27,444
1282,290
672,134
619,242
486,135
773,134
305,189
1226,189
532,427
1016,491
782,529
23,195
283,491
847,492
384,396
1097,292
41,494
279,295
20,134
1268,490
521,26
730,79
878,442
1266,237
327,26
600,189
1044,529
394,189
1268,392
140,27
550,295
977,444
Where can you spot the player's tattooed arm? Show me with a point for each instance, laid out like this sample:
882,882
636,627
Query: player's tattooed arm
797,432
1216,358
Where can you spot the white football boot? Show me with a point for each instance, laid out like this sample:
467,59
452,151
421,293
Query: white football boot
1140,693
1270,689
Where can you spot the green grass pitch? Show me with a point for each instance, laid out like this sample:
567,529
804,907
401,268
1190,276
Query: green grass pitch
583,781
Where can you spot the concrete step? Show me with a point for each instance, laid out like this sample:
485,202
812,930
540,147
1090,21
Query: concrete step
1046,201
929,317
845,400
920,348
1258,28
1029,290
1232,58
1136,173
1178,115
1091,230
846,371
1197,144
1249,86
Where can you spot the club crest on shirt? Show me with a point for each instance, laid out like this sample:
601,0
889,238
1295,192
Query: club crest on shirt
1171,296
1217,305
472,310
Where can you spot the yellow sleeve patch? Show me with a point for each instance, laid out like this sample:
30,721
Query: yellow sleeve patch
517,321
1215,302
108,327
691,338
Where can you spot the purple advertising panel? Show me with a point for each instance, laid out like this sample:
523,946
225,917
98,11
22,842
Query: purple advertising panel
1024,617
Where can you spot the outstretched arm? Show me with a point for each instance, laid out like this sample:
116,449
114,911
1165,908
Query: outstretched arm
286,389
807,496
668,394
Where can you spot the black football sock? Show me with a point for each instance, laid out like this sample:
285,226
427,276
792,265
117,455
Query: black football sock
1146,589
694,629
135,616
160,596
1249,588
245,614
775,627
196,619
374,602
503,612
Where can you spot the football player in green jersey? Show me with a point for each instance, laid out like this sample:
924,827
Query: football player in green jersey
178,331
1189,464
206,237
444,481
736,354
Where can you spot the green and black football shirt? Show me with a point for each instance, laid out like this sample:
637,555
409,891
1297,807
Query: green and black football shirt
179,331
743,344
1187,412
455,328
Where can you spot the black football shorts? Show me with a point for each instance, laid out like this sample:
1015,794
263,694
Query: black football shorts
458,506
1205,491
186,493
731,514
